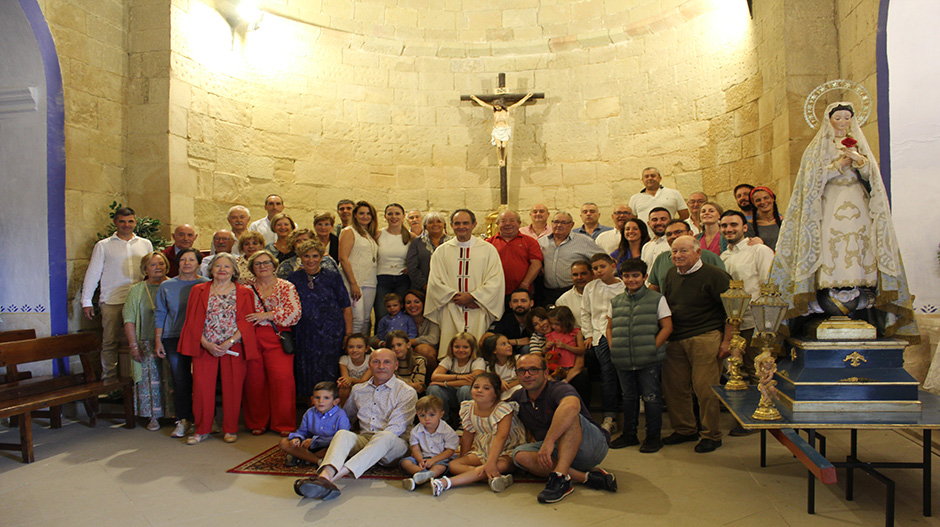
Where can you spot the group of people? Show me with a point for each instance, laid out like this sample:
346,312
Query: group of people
286,313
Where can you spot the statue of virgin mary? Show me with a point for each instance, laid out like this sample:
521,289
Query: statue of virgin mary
837,252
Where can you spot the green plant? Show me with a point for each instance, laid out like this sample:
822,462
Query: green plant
147,227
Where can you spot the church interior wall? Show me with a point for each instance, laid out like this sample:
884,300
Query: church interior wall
91,42
170,112
375,115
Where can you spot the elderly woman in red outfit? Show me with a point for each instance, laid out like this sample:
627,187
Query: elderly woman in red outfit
217,335
269,386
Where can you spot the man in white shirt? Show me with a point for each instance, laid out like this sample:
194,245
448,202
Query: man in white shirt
115,267
385,408
656,195
274,205
581,275
239,217
658,219
750,264
695,202
610,240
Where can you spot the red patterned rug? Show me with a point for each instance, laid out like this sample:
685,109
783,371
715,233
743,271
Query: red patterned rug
271,462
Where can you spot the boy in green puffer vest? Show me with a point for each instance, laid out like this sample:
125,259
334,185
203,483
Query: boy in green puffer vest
638,325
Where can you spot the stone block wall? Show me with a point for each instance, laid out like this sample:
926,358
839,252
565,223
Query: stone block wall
91,41
171,111
372,111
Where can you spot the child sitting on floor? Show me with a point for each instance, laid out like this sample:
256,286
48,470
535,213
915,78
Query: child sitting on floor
412,368
319,425
433,444
497,352
353,366
491,430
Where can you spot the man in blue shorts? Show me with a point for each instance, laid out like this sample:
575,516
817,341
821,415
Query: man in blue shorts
569,444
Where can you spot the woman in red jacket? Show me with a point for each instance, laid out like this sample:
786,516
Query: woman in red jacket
217,334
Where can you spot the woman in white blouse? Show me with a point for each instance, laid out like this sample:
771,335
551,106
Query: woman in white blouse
357,257
391,269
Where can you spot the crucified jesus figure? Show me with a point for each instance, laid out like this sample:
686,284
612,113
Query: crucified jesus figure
502,123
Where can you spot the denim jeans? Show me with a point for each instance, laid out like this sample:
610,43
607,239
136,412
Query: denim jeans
388,283
181,366
643,383
610,387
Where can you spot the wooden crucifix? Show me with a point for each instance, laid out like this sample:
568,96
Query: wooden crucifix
502,104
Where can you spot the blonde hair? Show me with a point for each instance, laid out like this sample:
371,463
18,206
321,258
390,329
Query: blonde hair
463,335
145,261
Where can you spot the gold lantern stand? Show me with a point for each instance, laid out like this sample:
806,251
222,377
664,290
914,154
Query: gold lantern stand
736,301
769,312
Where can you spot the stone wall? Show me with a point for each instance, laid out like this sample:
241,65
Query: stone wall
857,21
170,110
322,113
90,39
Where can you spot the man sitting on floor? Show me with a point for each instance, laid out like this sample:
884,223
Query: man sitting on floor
569,444
385,408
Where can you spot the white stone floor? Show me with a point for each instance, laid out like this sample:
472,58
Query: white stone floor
111,476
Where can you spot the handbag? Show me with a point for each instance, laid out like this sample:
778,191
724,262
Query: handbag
288,344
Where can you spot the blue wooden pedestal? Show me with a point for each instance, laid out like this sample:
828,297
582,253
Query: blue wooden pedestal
849,377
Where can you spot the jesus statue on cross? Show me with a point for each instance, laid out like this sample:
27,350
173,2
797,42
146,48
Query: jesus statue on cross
502,123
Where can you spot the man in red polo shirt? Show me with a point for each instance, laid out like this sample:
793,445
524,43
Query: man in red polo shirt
520,254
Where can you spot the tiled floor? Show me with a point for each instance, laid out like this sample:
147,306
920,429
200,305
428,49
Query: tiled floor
112,476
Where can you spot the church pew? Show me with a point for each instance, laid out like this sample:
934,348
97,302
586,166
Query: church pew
20,397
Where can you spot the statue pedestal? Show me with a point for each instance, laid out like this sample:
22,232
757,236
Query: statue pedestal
854,376
841,328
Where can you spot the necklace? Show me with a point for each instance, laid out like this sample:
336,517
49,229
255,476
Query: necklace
312,280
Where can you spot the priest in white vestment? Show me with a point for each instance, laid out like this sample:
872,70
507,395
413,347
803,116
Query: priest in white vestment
466,287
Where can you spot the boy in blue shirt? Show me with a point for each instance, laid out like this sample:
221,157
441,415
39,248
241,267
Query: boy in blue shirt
317,428
395,320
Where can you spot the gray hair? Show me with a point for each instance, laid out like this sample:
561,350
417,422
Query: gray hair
434,215
241,208
230,258
561,212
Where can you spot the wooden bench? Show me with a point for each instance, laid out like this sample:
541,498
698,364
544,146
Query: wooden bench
21,395
17,334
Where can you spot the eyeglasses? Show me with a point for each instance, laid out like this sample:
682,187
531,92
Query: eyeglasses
522,371
559,222
264,263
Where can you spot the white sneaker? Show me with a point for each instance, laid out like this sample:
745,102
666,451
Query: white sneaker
153,425
609,424
422,477
182,428
501,483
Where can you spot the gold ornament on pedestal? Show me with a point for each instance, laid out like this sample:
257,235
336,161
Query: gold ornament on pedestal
735,301
769,312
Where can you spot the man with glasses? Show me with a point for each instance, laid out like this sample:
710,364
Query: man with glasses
568,443
663,262
559,251
695,202
610,240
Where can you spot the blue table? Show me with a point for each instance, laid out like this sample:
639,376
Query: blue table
812,451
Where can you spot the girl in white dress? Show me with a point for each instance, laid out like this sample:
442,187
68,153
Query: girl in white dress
491,430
